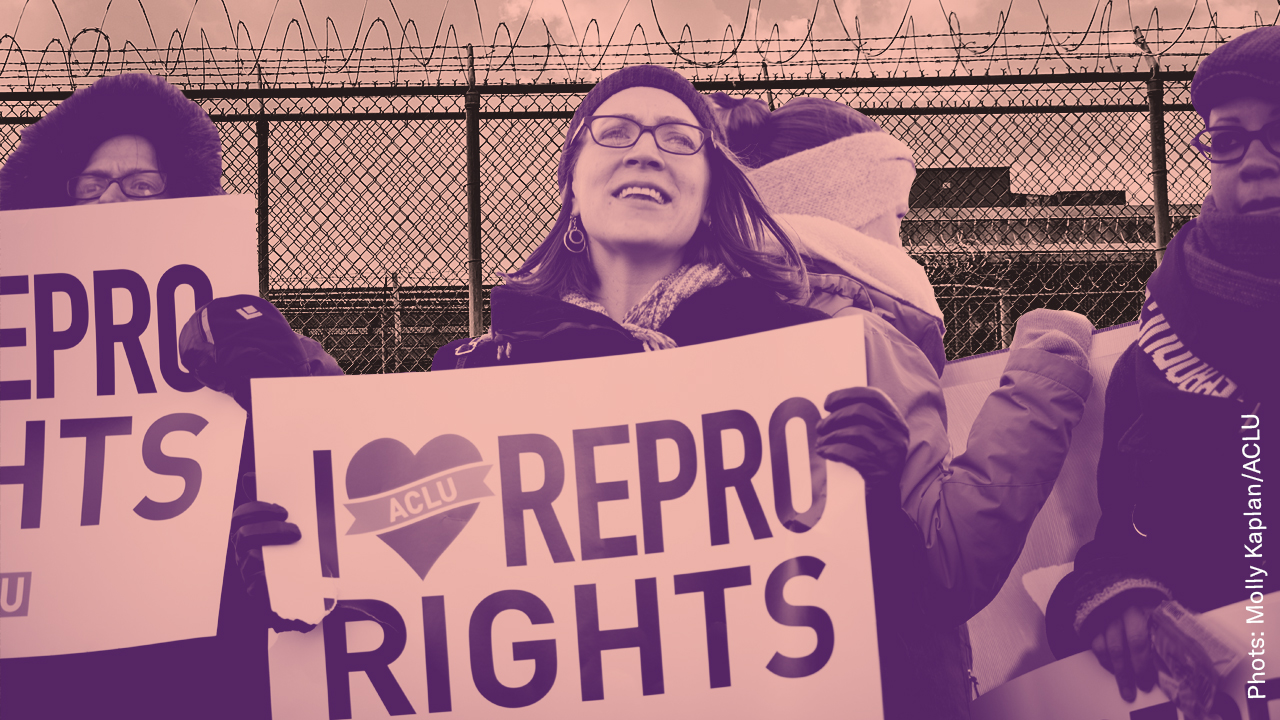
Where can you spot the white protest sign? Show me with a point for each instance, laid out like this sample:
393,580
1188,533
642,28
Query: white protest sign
638,536
1079,688
1008,635
117,471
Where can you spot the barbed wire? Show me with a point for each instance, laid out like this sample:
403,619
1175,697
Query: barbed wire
391,51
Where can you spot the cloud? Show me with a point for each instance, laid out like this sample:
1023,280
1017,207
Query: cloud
570,20
566,20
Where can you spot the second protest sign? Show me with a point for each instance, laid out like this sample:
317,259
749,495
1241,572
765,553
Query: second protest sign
638,536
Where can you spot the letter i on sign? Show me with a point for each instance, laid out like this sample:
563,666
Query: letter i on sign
326,520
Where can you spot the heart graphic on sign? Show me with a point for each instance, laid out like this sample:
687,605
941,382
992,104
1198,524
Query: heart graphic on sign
417,503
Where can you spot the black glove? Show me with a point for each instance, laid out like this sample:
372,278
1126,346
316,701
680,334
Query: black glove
227,342
865,431
254,525
232,339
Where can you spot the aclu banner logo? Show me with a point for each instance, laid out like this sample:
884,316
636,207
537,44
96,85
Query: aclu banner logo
15,594
417,503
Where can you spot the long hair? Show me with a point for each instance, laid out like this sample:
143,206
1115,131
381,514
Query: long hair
758,136
736,236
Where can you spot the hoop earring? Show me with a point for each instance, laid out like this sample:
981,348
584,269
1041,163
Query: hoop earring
575,241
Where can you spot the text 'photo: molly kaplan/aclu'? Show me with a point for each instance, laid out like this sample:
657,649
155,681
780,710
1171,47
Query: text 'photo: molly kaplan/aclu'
582,359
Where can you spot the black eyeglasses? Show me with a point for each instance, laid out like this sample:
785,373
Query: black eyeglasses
1229,144
615,131
141,184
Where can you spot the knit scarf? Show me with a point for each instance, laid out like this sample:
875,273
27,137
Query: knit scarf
1219,289
651,311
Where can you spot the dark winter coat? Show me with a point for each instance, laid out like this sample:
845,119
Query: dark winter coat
1173,495
1179,477
541,329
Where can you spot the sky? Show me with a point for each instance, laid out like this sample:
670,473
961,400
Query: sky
33,24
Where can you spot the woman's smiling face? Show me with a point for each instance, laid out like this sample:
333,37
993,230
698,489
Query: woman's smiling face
640,199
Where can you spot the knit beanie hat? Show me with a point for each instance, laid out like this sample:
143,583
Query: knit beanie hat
1247,65
852,180
654,76
58,146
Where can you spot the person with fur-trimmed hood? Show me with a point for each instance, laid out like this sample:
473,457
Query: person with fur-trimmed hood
841,184
133,138
1178,476
126,137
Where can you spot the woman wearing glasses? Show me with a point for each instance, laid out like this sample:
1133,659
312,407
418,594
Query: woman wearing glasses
1179,478
124,138
659,242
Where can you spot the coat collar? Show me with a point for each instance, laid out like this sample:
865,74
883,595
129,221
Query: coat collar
535,328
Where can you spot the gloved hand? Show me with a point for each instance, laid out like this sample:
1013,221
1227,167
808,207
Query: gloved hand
230,340
227,342
1119,633
254,525
1123,646
867,432
1060,332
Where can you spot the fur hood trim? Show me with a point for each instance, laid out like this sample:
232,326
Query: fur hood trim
58,146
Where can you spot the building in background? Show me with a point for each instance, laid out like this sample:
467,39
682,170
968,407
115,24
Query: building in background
993,254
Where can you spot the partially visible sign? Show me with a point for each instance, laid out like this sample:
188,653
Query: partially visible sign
117,471
1008,635
643,536
1079,688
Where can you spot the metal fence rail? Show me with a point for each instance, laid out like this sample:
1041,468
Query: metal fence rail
1033,191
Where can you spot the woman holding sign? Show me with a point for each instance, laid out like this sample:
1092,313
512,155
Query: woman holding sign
652,250
841,185
661,242
1180,474
132,138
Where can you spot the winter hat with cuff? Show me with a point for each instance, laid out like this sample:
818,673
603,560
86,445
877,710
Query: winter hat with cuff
654,76
1249,64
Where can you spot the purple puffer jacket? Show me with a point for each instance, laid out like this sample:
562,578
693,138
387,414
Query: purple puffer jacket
975,510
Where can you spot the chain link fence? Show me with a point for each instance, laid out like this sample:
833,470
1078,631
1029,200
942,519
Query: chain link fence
1032,191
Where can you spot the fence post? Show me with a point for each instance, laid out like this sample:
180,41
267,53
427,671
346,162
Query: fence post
1159,173
1007,321
397,336
764,71
475,302
264,247
263,185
